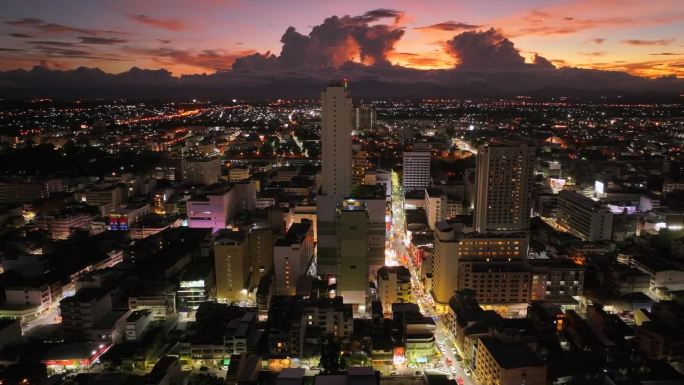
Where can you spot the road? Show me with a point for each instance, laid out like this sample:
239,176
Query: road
395,256
42,325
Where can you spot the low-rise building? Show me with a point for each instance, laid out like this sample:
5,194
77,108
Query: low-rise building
394,286
500,363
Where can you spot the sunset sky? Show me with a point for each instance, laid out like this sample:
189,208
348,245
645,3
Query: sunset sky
644,38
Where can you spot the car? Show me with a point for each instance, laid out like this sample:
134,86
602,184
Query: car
204,369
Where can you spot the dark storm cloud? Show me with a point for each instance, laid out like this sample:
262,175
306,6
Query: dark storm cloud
44,26
330,44
485,50
100,40
541,61
451,26
55,43
214,60
382,13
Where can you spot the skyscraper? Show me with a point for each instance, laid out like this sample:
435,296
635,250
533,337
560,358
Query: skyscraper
364,117
336,141
417,168
336,157
503,199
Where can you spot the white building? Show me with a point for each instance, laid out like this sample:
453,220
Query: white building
584,217
210,210
416,170
336,147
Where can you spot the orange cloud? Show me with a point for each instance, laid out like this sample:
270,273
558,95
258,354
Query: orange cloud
436,60
649,68
660,42
211,60
169,24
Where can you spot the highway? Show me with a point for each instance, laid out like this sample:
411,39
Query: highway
395,256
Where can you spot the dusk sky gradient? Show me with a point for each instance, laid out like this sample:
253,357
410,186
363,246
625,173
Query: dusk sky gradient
643,38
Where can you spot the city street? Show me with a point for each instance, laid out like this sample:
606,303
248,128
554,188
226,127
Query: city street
448,362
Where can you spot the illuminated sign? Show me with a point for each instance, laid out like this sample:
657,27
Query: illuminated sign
399,355
556,184
198,283
118,222
598,187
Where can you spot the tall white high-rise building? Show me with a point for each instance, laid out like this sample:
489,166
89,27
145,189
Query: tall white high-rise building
417,168
503,198
336,140
336,147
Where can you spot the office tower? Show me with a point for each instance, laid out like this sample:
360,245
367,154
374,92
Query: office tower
492,265
293,255
336,158
417,168
201,171
364,118
352,253
584,217
261,240
210,209
503,196
231,261
359,167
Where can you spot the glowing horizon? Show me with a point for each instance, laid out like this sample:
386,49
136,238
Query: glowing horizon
207,36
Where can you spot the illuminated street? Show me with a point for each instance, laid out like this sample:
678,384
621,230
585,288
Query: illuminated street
447,363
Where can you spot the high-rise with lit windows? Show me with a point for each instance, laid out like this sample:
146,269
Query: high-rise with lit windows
336,162
492,265
503,199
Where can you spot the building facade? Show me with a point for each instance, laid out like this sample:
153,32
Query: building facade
292,253
416,174
584,217
504,181
231,258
